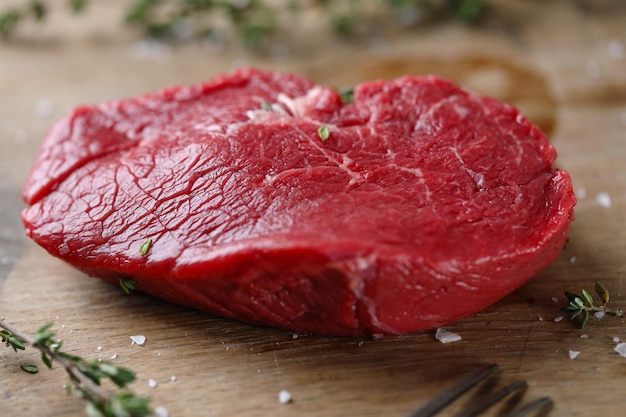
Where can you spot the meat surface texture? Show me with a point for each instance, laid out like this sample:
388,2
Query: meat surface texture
425,203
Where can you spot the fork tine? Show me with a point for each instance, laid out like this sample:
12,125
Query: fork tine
519,386
449,395
543,403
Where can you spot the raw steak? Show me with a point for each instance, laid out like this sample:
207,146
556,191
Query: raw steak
419,205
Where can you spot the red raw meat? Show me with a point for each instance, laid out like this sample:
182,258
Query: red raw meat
425,204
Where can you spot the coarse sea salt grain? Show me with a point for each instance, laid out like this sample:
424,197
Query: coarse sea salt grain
621,349
152,383
284,397
573,354
603,199
581,193
615,339
138,340
161,411
599,314
558,319
584,336
444,336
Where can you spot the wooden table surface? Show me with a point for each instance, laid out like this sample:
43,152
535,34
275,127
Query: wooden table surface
563,63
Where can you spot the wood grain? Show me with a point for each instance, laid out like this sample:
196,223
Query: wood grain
565,76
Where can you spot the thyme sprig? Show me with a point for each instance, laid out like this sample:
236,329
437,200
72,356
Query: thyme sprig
85,376
254,21
582,306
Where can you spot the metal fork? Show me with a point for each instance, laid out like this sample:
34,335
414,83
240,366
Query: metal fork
540,407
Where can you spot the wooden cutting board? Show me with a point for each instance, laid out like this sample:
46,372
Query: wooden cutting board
563,65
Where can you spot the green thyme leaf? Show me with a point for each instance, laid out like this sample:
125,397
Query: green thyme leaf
31,369
602,292
144,248
347,95
46,360
587,298
266,106
8,21
570,296
127,285
584,320
323,132
12,341
77,6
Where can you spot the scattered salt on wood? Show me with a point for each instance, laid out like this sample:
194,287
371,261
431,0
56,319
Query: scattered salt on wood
593,69
99,349
615,339
284,397
573,354
161,411
152,383
621,349
44,108
539,318
138,340
558,319
603,199
616,49
555,300
584,336
444,336
173,379
113,356
572,259
599,314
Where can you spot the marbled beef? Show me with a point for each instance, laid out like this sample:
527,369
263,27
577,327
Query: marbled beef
268,200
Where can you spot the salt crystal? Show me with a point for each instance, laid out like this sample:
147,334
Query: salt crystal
603,199
445,336
615,339
573,354
161,411
599,314
138,340
99,349
558,319
572,259
616,49
152,383
150,50
539,318
621,349
44,108
284,397
113,356
593,69
294,336
581,193
555,299
584,336
173,379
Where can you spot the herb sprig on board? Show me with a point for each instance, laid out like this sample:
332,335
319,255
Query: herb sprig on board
582,306
85,376
254,21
